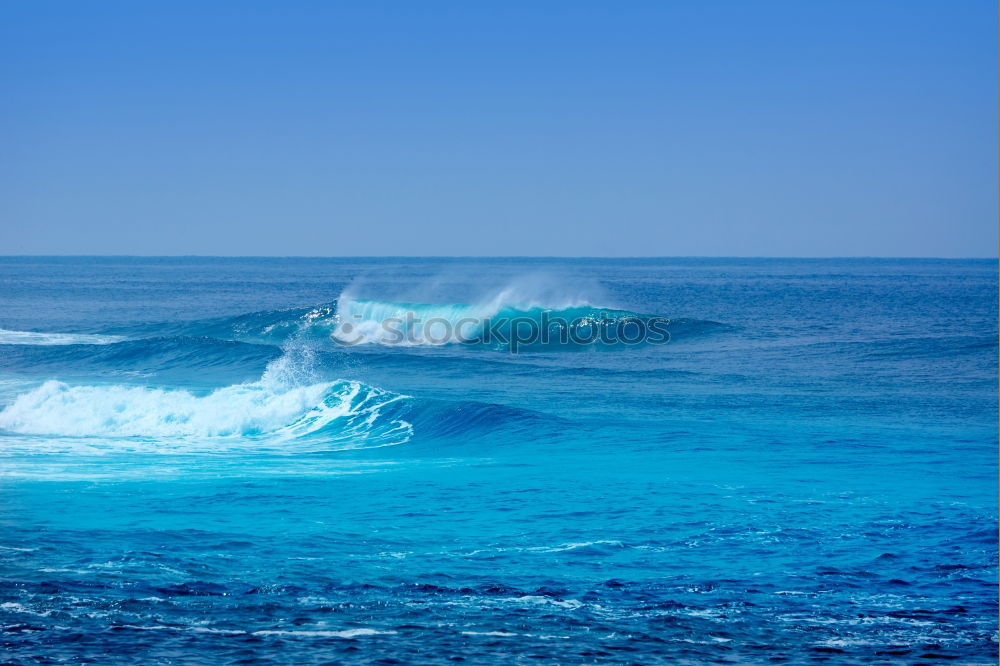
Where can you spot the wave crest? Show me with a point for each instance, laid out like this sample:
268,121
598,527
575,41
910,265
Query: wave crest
348,414
493,325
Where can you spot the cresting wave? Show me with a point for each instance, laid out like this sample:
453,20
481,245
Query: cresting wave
495,325
249,410
274,410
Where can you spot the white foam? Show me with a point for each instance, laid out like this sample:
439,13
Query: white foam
364,321
9,337
573,546
571,604
407,324
259,410
346,633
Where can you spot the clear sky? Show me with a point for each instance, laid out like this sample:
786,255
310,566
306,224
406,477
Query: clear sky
614,128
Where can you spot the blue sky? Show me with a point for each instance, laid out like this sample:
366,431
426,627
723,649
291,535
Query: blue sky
716,127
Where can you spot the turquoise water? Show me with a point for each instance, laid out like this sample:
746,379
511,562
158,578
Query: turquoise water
194,471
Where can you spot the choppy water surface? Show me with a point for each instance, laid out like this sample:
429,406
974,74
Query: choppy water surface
193,471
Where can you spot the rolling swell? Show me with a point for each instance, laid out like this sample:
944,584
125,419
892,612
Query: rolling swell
465,421
172,358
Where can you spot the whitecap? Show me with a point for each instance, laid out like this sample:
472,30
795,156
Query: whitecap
9,337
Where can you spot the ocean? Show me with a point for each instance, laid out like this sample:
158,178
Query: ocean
198,467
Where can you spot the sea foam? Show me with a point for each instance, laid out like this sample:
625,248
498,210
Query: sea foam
280,406
9,337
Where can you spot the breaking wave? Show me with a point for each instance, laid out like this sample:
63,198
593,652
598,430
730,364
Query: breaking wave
282,406
493,325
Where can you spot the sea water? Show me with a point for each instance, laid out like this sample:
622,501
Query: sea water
196,471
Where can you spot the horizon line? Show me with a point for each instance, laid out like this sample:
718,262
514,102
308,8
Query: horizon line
483,256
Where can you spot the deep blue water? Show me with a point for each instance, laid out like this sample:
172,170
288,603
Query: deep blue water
194,472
